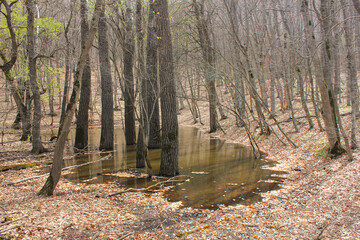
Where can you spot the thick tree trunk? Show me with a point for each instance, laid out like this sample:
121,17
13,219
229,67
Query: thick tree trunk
129,95
37,146
82,122
107,105
55,173
170,143
152,98
326,85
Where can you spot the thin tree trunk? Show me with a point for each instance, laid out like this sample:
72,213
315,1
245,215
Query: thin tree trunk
303,100
55,173
209,61
50,91
67,75
141,146
352,72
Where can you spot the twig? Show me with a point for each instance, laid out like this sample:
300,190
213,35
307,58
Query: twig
125,236
8,229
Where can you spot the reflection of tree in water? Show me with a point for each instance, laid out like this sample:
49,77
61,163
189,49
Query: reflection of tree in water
221,173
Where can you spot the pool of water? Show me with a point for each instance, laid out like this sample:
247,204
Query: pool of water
218,172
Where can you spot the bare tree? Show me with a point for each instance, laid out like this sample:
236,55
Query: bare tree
209,59
37,146
169,165
82,122
129,94
7,66
55,173
107,109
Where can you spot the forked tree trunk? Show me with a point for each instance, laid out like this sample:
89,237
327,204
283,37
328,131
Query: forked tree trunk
55,173
169,165
37,146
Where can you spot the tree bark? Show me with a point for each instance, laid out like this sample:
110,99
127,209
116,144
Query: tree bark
357,5
209,61
141,146
352,73
55,173
152,98
129,95
170,143
326,85
82,122
37,146
107,105
67,75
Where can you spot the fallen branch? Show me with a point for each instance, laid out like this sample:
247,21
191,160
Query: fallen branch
63,169
148,188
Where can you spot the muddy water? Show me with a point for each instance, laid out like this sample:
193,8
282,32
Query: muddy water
218,172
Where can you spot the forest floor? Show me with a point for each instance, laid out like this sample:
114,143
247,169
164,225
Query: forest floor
319,199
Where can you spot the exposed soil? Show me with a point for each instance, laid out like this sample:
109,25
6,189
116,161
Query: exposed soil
320,198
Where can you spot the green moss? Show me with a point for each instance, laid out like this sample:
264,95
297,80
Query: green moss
19,166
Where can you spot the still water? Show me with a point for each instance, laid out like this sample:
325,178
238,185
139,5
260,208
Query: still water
219,172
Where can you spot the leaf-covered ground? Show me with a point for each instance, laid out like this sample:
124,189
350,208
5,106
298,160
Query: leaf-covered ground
320,198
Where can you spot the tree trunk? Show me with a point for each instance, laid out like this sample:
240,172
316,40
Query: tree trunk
303,99
311,56
152,82
107,105
82,122
352,74
50,91
37,146
55,173
170,143
326,85
6,67
357,5
209,61
141,146
67,75
129,95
